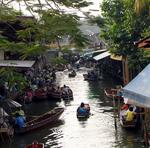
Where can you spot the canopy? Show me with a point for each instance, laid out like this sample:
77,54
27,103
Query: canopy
101,56
138,90
16,63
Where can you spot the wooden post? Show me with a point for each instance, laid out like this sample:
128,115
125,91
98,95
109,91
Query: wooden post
114,106
145,135
125,71
119,105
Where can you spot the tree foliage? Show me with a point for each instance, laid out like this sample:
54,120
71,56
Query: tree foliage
49,24
122,28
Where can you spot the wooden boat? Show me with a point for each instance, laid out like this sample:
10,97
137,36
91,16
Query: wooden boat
68,96
61,95
111,92
84,115
55,96
35,145
42,120
124,123
128,124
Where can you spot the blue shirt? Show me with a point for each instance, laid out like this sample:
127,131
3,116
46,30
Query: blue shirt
20,121
82,110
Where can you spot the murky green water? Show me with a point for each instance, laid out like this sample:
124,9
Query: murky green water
96,132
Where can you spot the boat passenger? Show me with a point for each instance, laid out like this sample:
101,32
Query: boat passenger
28,96
73,72
20,112
66,89
130,115
20,121
123,111
125,107
59,90
81,109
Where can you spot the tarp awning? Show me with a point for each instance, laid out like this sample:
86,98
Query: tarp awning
138,90
16,63
101,56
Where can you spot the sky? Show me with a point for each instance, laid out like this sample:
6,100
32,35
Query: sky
94,9
95,6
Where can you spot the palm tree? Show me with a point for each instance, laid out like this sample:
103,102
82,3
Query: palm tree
140,5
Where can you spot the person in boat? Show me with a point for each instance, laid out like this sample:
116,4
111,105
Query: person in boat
130,115
19,121
81,109
28,96
59,90
73,72
20,112
66,89
123,111
125,107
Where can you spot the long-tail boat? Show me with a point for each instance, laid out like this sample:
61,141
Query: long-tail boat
42,120
112,92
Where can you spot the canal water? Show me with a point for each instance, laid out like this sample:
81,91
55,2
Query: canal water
97,131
